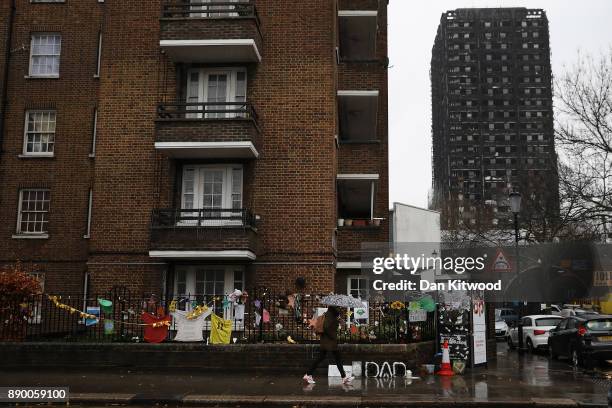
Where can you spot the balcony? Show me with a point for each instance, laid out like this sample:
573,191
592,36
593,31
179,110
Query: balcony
211,32
357,35
358,116
359,240
207,130
206,234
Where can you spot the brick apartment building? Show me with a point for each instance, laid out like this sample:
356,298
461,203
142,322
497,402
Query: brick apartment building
492,117
179,147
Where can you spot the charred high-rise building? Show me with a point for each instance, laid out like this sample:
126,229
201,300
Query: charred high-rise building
492,117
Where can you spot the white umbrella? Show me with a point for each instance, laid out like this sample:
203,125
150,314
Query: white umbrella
342,301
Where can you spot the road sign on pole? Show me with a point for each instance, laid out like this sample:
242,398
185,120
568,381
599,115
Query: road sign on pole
501,263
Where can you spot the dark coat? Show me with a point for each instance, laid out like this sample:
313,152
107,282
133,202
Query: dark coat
329,337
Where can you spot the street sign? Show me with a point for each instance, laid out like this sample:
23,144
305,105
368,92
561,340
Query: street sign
501,263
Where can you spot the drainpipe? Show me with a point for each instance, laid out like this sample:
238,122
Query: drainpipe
9,41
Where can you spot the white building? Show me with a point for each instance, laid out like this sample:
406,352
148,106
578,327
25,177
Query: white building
416,231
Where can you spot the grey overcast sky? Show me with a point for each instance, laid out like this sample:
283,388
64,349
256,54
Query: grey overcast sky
574,25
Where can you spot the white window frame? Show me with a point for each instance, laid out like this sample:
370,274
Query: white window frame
361,278
203,75
228,184
228,286
26,133
190,278
43,233
59,56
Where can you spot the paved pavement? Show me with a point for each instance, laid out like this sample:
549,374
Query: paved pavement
530,381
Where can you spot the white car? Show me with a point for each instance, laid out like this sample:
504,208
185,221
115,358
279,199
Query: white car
501,328
535,331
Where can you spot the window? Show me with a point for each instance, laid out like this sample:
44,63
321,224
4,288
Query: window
45,55
203,282
39,136
33,211
357,286
213,88
213,187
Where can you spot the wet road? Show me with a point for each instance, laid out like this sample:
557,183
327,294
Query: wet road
529,378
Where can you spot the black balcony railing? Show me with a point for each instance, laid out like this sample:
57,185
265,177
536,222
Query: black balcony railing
201,218
212,9
206,110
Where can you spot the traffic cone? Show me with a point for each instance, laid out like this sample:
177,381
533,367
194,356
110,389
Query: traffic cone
445,369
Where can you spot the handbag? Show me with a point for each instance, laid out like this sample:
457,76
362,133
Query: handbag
318,324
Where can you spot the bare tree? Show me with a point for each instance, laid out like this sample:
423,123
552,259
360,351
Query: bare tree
584,135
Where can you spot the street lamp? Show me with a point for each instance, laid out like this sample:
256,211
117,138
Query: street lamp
515,207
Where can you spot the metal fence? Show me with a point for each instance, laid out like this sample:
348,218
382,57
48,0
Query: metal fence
183,110
210,9
39,319
207,218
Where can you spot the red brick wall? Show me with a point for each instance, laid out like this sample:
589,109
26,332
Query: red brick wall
210,29
207,239
281,278
291,186
368,158
5,12
224,130
140,274
68,174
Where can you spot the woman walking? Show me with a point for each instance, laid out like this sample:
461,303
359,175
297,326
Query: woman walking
329,343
